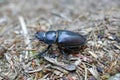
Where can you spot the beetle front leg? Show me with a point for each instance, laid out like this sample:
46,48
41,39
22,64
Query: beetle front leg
43,52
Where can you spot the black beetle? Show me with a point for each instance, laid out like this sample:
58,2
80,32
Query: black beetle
63,38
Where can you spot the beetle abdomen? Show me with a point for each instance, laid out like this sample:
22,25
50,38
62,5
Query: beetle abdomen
70,39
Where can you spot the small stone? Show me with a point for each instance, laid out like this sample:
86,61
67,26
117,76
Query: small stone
99,69
57,72
1,78
61,75
70,67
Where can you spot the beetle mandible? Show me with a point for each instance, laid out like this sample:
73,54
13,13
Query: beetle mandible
63,38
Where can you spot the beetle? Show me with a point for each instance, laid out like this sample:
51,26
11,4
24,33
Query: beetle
66,40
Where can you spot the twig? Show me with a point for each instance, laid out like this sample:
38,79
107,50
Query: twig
117,46
94,72
37,70
69,67
93,54
25,34
85,71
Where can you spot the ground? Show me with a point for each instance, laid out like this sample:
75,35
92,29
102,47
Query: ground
97,20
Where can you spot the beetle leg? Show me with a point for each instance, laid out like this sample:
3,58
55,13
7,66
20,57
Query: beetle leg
43,53
63,52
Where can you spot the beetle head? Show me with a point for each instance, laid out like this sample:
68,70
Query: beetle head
40,35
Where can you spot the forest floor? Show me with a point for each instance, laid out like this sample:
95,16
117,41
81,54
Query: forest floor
98,20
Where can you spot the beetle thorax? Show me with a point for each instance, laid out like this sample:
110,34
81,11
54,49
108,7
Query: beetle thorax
50,37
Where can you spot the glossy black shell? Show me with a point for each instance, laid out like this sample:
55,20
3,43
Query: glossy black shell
70,39
62,38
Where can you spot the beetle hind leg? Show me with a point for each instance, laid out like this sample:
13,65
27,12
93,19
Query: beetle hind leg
65,55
